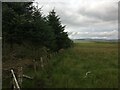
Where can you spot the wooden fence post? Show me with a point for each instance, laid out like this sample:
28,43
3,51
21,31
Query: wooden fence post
42,65
20,76
35,66
15,82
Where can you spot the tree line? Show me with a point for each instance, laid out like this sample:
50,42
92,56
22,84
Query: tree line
25,24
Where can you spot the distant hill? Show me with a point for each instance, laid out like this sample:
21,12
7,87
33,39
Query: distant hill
95,40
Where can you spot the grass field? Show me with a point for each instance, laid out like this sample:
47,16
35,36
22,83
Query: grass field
68,69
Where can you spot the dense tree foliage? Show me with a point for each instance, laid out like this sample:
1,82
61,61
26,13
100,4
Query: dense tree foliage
24,24
16,17
62,40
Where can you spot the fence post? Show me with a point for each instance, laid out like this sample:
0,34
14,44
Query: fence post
20,76
15,82
41,59
35,66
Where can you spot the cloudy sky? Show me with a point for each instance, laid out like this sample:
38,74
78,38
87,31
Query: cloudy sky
95,19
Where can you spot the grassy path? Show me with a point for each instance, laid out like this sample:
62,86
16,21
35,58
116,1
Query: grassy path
100,59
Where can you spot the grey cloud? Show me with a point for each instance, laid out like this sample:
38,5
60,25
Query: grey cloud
93,16
104,11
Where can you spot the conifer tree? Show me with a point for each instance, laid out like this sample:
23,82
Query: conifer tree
42,34
16,16
62,40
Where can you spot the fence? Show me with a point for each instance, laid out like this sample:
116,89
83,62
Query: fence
18,79
15,82
17,74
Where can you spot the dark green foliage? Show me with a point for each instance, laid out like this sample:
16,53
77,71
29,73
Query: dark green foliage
62,40
15,17
42,34
24,24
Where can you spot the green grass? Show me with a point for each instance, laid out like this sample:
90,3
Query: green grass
70,66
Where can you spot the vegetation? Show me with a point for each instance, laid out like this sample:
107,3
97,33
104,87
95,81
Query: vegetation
29,35
61,37
68,69
101,59
24,24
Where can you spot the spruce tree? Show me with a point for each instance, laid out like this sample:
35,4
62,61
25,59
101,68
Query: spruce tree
42,34
16,16
62,40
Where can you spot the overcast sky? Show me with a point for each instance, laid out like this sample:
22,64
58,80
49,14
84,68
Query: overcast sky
96,19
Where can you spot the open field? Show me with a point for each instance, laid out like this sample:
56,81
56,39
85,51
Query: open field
68,69
99,58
